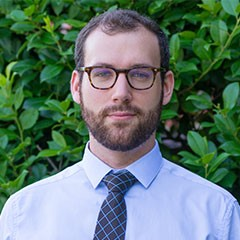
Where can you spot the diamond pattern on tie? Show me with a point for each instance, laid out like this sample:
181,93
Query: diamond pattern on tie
112,218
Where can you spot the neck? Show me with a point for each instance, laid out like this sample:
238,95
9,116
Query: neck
118,159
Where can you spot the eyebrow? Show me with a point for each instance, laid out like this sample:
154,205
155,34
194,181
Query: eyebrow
102,64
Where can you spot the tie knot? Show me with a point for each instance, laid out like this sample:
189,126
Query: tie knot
119,182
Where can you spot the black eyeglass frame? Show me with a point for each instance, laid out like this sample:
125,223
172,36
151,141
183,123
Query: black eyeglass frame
125,71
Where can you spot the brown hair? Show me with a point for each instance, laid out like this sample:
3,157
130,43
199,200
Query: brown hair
120,20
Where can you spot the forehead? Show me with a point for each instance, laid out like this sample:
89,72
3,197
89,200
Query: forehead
122,49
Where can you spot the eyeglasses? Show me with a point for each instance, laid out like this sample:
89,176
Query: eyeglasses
140,78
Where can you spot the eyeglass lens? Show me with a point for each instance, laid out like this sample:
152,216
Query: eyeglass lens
139,78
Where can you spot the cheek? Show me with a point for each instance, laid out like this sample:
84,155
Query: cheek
92,98
150,99
157,93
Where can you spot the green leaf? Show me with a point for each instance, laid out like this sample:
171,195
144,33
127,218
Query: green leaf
201,49
49,24
28,162
228,180
35,102
21,146
17,184
230,95
77,150
24,65
50,72
7,114
53,105
57,6
225,124
201,101
3,141
197,143
48,153
230,6
28,118
231,147
65,104
34,41
47,38
5,22
18,98
3,80
235,68
168,114
13,186
17,15
30,10
155,6
207,124
59,139
217,161
75,23
39,171
188,34
190,159
82,129
71,36
208,5
188,155
186,67
238,8
219,31
9,69
22,27
43,124
174,46
207,158
9,133
219,175
3,167
190,162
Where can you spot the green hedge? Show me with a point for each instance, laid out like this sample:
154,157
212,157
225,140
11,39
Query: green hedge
41,130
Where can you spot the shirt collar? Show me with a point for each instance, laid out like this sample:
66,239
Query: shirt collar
144,169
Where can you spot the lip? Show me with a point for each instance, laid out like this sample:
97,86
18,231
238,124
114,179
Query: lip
121,115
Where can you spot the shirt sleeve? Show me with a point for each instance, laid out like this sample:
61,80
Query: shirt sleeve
232,223
7,222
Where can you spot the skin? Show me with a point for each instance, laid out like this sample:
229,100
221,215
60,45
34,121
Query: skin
121,50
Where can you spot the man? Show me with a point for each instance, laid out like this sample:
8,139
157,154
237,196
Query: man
121,82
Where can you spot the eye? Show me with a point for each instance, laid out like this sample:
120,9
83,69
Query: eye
140,74
102,73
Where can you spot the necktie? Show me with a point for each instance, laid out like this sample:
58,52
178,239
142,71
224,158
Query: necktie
112,218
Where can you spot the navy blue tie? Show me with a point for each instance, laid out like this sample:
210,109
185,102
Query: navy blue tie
112,218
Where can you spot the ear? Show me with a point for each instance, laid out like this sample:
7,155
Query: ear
168,87
75,88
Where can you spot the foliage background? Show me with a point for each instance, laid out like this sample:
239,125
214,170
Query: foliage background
41,130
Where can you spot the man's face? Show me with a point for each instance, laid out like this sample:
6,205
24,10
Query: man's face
121,118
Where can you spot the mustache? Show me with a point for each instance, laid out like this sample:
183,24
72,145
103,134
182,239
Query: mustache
121,108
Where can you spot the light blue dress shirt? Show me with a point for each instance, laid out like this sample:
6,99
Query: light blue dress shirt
168,202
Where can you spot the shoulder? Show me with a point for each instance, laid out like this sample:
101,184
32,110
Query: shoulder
37,199
200,195
193,183
45,193
51,184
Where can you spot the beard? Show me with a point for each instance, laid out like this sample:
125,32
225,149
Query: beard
122,136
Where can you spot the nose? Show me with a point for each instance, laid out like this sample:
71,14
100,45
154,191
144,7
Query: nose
122,92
